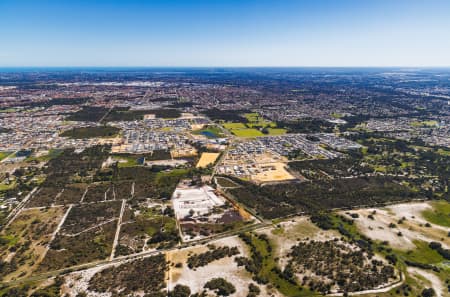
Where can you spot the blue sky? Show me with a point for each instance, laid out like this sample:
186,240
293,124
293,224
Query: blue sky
225,33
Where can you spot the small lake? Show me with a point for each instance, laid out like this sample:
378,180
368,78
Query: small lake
209,134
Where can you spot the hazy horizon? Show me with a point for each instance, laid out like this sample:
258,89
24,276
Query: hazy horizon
201,33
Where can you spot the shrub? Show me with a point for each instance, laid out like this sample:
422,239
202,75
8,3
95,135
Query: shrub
220,286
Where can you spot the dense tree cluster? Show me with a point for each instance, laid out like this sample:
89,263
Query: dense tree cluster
445,253
126,279
214,253
227,115
124,114
253,290
65,251
91,132
272,201
85,216
88,114
335,265
329,168
180,291
67,168
220,286
307,125
150,184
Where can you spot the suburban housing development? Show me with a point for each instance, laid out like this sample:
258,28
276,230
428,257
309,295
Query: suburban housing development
203,183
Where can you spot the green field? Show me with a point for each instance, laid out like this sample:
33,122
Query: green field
3,155
125,161
252,116
421,254
431,123
234,126
91,132
248,132
7,110
242,130
440,214
276,131
256,126
5,187
52,154
257,121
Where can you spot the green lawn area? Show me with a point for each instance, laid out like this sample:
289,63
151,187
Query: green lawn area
91,132
125,161
248,132
232,126
4,187
424,123
252,116
440,214
252,129
257,121
7,110
336,115
276,131
241,130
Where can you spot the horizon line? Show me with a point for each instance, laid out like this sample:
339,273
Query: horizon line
224,66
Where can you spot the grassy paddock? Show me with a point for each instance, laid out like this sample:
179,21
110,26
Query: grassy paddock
440,214
421,254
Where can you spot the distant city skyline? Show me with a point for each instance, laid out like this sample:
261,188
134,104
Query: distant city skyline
233,33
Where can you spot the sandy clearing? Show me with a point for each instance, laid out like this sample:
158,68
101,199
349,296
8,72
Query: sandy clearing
435,282
79,282
272,172
413,228
410,210
378,229
288,233
206,159
225,268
